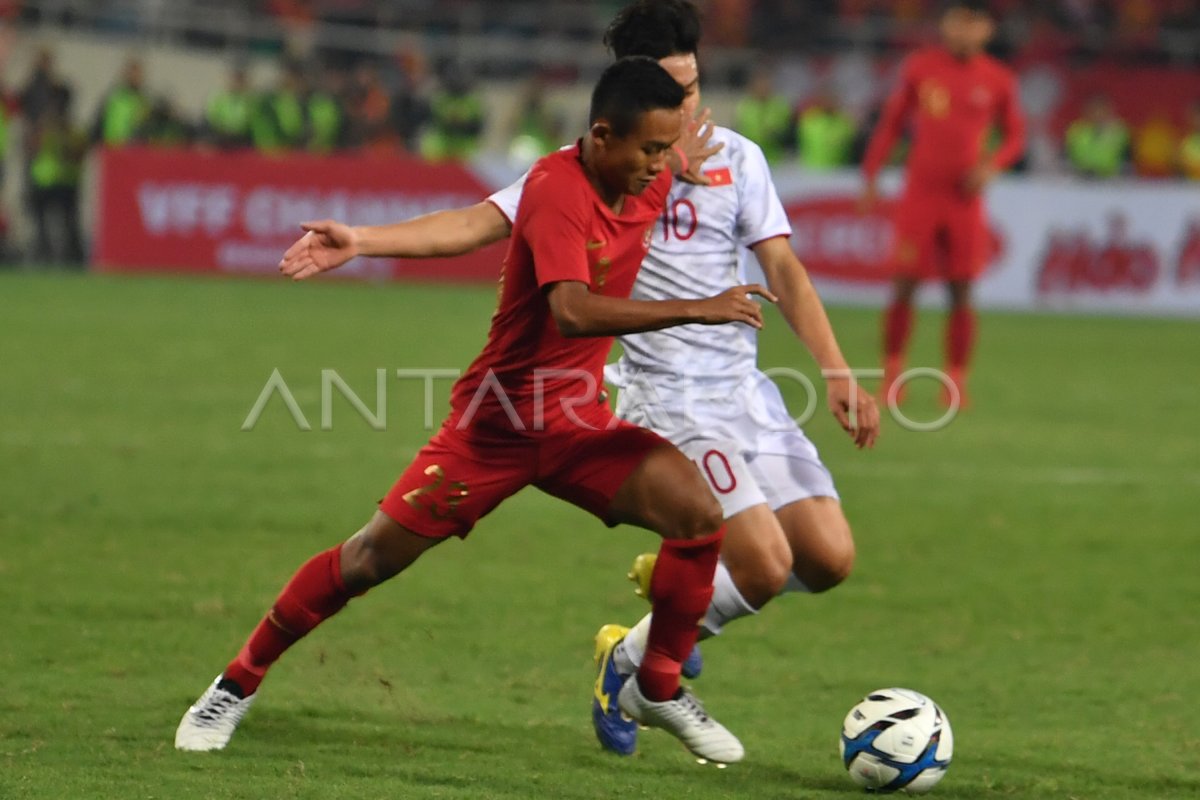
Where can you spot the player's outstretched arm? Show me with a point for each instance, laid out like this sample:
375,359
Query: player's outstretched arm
801,306
579,312
328,244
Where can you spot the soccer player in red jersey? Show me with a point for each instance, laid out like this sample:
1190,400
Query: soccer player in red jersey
949,96
529,410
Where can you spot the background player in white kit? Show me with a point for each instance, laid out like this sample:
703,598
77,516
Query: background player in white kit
700,388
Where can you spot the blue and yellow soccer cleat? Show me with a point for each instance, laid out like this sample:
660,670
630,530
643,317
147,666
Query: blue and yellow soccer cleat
616,732
641,573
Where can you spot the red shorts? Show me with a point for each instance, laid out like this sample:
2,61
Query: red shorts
455,480
940,236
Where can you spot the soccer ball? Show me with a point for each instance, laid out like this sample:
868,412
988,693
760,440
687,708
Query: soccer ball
896,740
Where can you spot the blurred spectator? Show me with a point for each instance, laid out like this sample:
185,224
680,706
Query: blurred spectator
727,22
1155,146
123,110
164,127
825,134
536,131
229,114
42,85
298,19
277,122
764,117
1189,146
1097,144
456,119
55,149
323,112
370,113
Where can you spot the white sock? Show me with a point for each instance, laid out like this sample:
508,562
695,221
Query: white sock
727,604
632,649
794,584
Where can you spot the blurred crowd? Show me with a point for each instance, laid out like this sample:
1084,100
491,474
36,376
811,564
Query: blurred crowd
1140,31
370,106
1144,31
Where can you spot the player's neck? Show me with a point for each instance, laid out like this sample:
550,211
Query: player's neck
964,57
614,200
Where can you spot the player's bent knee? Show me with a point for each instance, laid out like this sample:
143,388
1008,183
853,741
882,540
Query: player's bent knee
702,517
763,580
381,550
832,569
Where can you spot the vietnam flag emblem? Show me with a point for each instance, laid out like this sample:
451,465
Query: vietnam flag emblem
719,177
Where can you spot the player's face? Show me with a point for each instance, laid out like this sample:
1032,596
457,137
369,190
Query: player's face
684,69
965,32
628,164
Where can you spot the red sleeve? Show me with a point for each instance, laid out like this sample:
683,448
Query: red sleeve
557,216
896,110
1012,121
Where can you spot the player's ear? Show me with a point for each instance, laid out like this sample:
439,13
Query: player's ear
601,132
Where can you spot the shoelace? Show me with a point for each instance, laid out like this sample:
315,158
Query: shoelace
215,708
693,706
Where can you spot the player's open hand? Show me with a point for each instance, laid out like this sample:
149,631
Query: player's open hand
325,245
734,305
855,409
978,178
697,147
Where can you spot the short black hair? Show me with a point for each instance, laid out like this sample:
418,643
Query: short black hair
628,88
654,28
977,6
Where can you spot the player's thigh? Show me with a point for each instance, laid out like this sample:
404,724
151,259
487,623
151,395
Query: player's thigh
634,476
801,490
820,539
755,550
915,248
757,553
968,241
450,485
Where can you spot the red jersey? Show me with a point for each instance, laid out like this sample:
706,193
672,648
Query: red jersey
952,105
563,232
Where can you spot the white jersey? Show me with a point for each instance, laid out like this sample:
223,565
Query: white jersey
699,249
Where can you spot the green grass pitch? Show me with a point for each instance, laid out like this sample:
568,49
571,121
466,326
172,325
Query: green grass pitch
1035,566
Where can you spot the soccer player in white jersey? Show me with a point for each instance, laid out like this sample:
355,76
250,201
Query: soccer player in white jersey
701,389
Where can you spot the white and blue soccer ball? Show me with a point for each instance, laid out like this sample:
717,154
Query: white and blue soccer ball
896,740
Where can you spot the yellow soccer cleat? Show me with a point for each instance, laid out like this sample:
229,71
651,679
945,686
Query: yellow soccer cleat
642,572
615,732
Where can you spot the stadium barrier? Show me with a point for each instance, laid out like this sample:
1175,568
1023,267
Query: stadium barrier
1060,245
236,213
1123,246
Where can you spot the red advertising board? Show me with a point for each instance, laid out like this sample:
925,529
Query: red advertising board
237,212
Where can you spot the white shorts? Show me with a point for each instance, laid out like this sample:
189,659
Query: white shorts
745,443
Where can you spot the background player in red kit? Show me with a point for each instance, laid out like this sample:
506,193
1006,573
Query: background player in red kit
529,410
950,97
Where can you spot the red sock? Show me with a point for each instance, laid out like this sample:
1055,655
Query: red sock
960,339
314,594
680,590
897,325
